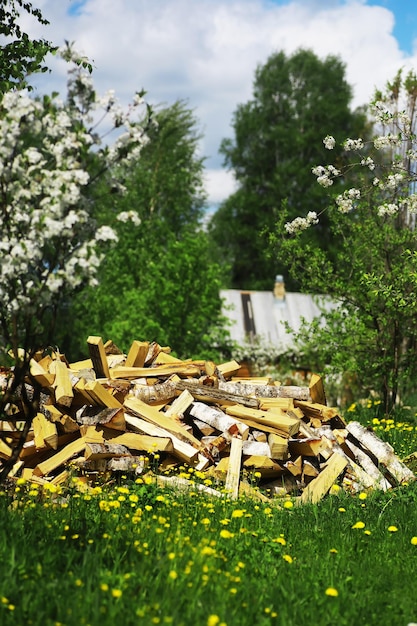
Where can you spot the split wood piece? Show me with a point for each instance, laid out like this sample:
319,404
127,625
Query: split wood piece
218,419
320,485
268,468
91,415
101,395
309,470
365,461
360,479
98,356
259,435
215,396
306,447
233,473
94,451
5,450
66,423
204,429
184,369
61,457
256,448
286,404
317,411
64,394
382,451
137,354
266,391
160,392
85,397
151,414
275,418
216,445
182,450
28,475
42,376
133,441
45,432
81,366
317,389
180,405
295,467
278,446
228,369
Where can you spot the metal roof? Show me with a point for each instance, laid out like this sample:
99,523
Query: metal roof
260,314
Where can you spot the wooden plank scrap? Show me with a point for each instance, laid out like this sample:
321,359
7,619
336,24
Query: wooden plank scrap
233,472
320,485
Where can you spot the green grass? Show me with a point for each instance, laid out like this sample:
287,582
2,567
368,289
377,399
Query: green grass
135,554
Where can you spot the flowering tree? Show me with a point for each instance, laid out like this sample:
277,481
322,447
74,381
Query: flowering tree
50,153
373,333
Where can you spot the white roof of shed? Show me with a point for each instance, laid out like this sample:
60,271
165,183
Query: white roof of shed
266,315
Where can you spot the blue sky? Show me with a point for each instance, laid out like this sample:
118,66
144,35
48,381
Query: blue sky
206,51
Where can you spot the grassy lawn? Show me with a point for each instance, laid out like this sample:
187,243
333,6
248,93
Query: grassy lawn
136,554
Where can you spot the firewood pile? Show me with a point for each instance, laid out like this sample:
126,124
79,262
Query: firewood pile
148,412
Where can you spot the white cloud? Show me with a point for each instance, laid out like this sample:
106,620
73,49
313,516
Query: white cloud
219,184
206,51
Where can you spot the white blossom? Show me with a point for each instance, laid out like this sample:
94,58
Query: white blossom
353,144
329,142
132,216
301,223
387,209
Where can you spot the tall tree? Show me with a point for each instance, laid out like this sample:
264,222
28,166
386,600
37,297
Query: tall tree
372,278
277,141
20,56
160,282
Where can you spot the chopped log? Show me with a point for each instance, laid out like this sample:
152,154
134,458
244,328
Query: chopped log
317,411
66,423
160,371
266,391
266,466
317,389
46,435
382,451
233,473
278,446
137,354
94,451
160,392
208,394
101,395
126,464
320,485
279,420
306,447
180,405
256,448
98,356
182,484
218,419
112,418
182,450
61,457
228,369
64,394
295,467
286,404
149,413
259,435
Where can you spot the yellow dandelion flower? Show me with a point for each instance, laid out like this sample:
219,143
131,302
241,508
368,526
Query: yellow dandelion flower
332,592
116,593
287,558
288,504
104,587
414,541
341,509
205,521
238,513
173,575
362,495
213,620
358,525
333,551
367,532
392,529
280,540
78,582
226,534
334,489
